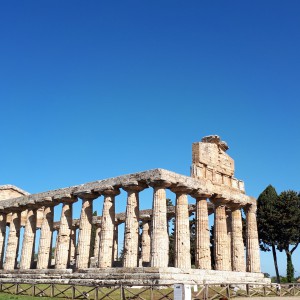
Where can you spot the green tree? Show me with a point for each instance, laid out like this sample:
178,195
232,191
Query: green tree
288,205
268,222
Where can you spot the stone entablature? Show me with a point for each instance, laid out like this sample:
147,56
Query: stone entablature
146,237
201,185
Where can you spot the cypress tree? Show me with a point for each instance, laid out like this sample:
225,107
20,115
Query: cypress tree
268,223
288,205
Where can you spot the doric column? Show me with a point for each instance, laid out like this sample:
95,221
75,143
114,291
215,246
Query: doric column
29,239
229,236
159,227
182,231
203,256
221,253
13,241
106,249
85,228
2,235
97,241
72,252
146,242
45,245
237,247
63,241
116,238
131,231
252,247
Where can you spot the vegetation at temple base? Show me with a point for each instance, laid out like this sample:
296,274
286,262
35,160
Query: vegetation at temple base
278,219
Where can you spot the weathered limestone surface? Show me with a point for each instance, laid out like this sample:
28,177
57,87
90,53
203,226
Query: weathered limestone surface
202,185
107,234
2,236
238,252
146,243
203,257
182,232
45,246
135,276
212,177
13,242
160,238
221,253
63,241
116,238
253,259
229,236
9,191
84,236
72,251
131,231
210,161
29,239
97,242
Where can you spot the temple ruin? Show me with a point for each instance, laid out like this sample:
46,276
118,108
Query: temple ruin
211,189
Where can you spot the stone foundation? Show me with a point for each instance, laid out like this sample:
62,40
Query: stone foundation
132,276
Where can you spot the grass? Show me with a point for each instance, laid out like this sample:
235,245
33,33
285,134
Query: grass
65,292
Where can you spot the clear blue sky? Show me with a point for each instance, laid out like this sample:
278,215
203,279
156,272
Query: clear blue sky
95,89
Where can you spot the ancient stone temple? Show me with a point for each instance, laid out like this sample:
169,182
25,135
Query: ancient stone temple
87,248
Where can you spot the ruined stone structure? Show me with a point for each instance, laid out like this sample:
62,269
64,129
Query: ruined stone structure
211,186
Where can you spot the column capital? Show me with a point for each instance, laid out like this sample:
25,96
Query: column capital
198,195
46,201
111,192
234,206
145,218
15,207
250,208
31,204
65,198
134,186
218,200
160,184
181,189
86,195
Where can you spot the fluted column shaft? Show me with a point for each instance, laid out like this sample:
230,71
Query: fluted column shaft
56,243
131,230
146,242
116,238
28,240
45,245
238,252
229,237
159,227
84,235
2,236
252,248
13,241
106,249
182,232
97,242
221,253
72,252
63,241
203,256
